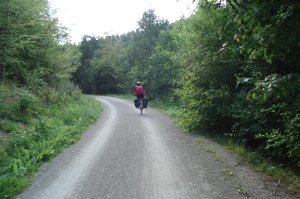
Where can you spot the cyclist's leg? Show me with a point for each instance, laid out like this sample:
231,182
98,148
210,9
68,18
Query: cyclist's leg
138,100
138,97
141,100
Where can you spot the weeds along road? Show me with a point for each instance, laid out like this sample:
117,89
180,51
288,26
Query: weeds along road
128,155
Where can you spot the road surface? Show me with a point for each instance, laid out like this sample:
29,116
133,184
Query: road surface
127,155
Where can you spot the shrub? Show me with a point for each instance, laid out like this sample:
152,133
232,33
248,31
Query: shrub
267,117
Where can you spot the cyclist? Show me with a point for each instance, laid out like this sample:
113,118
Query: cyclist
138,90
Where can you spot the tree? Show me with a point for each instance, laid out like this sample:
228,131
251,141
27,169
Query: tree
164,70
84,75
267,105
28,37
205,47
99,63
142,47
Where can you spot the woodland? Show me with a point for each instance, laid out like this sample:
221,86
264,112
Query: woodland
232,68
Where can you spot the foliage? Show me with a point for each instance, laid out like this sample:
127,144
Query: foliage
233,66
209,70
271,117
95,73
171,108
282,175
150,64
268,36
29,39
114,63
240,74
41,111
266,108
38,131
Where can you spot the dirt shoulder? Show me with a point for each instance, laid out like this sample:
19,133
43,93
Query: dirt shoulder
248,182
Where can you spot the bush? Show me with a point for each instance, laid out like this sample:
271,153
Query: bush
17,103
207,110
267,117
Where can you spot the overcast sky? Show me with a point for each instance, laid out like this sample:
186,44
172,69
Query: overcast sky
100,17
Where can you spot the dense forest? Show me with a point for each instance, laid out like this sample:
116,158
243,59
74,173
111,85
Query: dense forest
233,68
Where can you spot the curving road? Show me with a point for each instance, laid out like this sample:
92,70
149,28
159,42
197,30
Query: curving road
127,155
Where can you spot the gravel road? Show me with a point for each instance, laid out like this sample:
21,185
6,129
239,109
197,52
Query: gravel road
127,155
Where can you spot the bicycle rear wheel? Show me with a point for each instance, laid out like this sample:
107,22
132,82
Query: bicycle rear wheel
141,106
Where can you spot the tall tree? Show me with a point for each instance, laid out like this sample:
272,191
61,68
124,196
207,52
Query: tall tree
205,53
143,46
28,38
84,75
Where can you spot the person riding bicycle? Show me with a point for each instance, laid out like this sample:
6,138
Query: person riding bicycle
139,90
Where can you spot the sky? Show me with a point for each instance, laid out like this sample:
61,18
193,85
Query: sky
108,17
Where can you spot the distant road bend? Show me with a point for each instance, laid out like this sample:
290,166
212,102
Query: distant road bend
131,156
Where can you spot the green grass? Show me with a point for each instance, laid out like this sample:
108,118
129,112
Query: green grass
283,176
169,108
36,132
208,149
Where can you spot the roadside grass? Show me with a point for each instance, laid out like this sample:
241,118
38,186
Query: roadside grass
33,132
283,176
208,149
170,108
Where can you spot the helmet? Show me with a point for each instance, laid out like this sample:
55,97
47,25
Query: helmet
138,83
